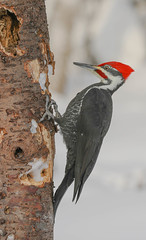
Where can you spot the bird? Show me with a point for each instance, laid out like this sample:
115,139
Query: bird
85,123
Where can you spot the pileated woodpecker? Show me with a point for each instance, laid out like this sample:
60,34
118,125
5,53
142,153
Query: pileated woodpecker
85,123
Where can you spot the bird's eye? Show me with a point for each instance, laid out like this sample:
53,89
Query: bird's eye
106,67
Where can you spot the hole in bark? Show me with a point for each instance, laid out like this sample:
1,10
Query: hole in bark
44,172
18,153
9,31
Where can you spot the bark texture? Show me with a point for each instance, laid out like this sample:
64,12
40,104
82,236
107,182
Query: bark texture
26,146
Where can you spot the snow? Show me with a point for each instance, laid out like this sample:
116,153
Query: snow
37,166
42,80
34,126
113,202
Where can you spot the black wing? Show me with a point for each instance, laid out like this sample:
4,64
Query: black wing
92,125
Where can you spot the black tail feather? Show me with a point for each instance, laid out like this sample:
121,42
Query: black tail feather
79,182
66,182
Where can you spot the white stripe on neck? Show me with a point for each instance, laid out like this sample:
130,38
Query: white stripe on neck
115,81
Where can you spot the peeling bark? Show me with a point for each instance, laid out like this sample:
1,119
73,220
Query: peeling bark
26,146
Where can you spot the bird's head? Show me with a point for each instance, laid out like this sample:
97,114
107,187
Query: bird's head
112,74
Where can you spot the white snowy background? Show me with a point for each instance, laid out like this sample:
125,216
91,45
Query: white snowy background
113,202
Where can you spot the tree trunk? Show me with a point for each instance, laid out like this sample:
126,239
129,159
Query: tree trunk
26,146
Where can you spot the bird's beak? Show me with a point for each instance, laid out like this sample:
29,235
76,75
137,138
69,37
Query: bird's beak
87,66
94,69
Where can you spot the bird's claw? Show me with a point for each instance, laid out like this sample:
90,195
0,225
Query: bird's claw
50,103
46,114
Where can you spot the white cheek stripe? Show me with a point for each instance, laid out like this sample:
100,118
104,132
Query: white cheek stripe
115,81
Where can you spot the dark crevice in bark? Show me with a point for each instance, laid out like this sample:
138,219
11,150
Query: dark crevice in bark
9,32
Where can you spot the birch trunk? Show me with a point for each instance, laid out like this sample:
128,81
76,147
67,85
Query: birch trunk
26,146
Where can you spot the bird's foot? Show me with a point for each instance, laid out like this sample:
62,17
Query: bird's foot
55,106
48,113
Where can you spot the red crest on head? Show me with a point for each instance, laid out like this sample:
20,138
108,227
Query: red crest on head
124,69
